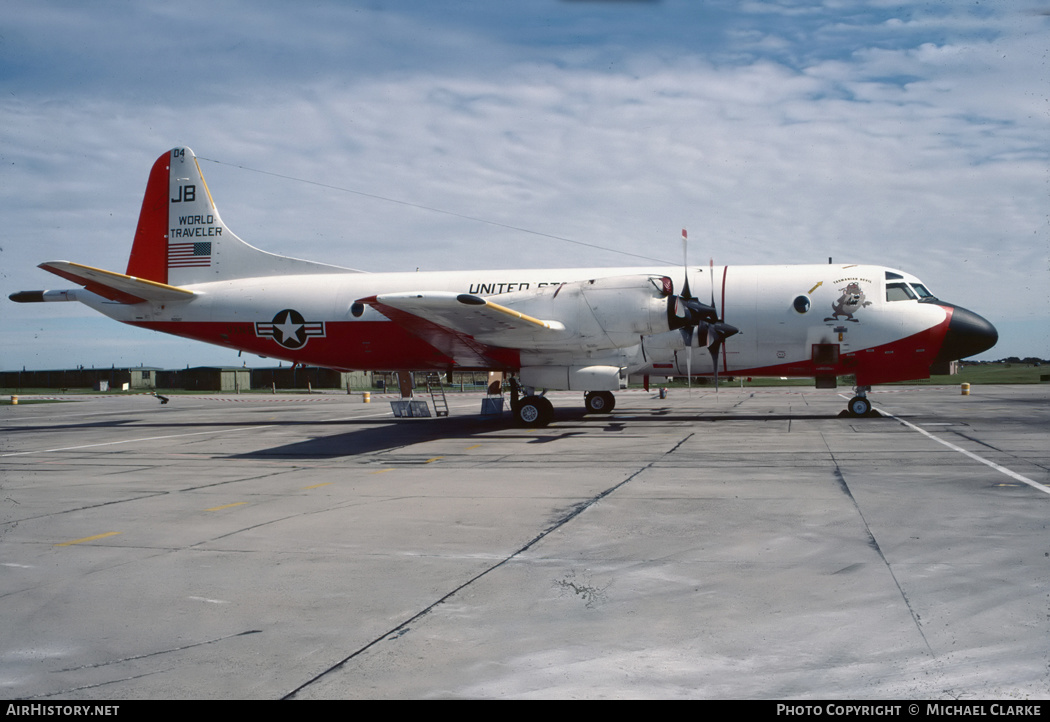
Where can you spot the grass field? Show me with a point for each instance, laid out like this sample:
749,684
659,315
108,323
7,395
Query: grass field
993,373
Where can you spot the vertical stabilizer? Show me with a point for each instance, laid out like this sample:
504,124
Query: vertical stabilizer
150,250
181,240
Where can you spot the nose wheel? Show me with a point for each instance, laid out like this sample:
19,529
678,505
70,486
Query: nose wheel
859,405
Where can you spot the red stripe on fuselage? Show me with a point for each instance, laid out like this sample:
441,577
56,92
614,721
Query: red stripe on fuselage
907,359
346,345
384,345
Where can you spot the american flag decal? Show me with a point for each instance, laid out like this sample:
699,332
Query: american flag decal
189,255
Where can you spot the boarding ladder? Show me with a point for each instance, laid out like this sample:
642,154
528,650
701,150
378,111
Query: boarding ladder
437,394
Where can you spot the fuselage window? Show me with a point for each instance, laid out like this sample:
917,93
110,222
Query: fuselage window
899,292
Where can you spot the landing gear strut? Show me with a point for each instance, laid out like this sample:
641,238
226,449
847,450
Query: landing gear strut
859,404
599,402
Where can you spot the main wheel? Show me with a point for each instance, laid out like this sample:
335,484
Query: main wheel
534,411
859,406
599,402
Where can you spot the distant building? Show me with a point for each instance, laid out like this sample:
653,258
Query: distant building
206,378
200,378
945,368
314,377
140,377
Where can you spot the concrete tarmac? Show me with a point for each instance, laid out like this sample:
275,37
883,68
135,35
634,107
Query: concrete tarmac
745,544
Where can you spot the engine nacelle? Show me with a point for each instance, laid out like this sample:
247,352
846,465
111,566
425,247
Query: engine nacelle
602,313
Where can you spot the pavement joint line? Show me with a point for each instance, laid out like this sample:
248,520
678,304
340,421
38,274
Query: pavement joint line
998,467
161,651
577,509
841,478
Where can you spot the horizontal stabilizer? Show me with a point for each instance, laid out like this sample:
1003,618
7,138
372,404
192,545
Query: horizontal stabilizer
117,286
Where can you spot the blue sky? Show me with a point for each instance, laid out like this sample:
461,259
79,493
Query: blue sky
910,134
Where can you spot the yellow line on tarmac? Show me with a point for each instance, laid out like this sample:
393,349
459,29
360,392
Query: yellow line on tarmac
381,471
433,459
226,506
88,538
318,486
473,447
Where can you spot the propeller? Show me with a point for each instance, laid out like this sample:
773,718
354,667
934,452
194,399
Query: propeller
688,314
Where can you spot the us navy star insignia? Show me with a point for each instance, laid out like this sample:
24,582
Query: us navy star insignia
289,329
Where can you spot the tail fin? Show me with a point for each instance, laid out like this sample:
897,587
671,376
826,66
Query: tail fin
181,240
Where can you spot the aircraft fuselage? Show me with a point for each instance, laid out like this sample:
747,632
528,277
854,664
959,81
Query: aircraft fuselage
810,320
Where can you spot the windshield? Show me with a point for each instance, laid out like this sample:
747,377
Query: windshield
899,292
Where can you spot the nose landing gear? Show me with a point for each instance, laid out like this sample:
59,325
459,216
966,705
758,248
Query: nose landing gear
859,405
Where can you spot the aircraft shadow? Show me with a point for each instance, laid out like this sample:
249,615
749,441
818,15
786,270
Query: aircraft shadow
402,433
370,436
391,435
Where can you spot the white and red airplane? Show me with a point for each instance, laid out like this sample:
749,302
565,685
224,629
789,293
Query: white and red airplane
582,329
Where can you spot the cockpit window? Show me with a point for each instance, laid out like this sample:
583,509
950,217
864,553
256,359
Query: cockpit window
921,290
891,276
899,292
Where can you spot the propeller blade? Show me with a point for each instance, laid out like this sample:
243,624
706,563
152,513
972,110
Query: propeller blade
700,310
691,313
713,284
689,368
685,265
716,334
714,346
687,335
714,361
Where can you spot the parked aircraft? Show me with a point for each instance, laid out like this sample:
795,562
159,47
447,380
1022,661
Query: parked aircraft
583,329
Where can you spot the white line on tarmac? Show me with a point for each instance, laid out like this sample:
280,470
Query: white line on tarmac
1001,469
132,441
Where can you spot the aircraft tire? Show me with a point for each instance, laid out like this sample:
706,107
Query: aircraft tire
859,406
534,411
599,402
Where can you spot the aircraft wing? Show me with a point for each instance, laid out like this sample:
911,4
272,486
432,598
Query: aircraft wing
467,313
470,328
117,286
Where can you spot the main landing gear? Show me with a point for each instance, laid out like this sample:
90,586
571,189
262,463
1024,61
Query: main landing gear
599,402
530,410
859,404
535,410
